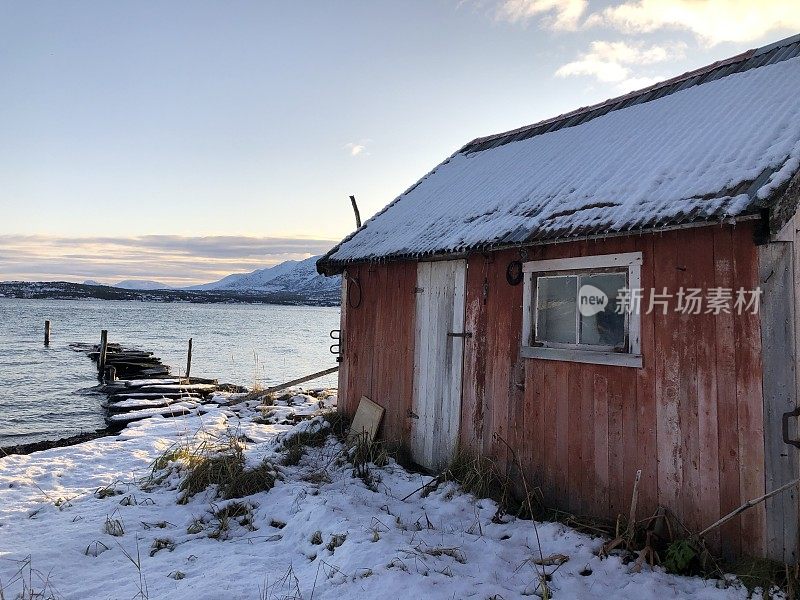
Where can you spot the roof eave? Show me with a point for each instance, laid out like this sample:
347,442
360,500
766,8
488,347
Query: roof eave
329,268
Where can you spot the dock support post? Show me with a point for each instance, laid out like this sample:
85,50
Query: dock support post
47,333
101,360
111,374
189,359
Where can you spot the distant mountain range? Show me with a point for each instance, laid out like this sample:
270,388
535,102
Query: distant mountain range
137,284
290,282
299,277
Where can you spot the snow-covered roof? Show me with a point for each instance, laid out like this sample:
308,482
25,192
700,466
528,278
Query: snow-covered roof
709,145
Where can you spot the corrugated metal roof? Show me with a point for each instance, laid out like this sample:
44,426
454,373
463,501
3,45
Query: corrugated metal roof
711,144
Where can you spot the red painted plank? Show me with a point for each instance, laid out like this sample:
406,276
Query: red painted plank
510,331
380,305
497,367
560,372
601,500
631,455
575,434
407,327
616,462
472,408
646,411
588,422
750,404
667,344
689,250
707,491
727,415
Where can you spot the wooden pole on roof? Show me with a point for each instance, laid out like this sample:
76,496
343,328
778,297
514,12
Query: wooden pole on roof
355,210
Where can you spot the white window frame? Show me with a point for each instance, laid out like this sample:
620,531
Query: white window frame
630,261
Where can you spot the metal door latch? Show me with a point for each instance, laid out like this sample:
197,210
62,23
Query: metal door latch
465,334
786,417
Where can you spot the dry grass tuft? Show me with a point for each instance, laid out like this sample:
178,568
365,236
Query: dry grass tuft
337,540
114,527
227,471
234,512
767,575
364,454
339,423
161,544
294,447
482,477
221,464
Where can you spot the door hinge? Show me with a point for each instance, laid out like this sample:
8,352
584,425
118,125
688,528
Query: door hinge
418,290
465,334
411,414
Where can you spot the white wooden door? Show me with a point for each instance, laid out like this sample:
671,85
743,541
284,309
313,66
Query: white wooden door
438,359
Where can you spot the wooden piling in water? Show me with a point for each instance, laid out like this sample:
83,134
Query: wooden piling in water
47,333
111,373
189,359
101,361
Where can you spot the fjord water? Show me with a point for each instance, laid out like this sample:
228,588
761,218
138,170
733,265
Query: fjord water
40,397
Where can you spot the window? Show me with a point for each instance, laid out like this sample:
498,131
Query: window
578,309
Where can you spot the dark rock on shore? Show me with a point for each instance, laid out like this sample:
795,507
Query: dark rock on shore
48,444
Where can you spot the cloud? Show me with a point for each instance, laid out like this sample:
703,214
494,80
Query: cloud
612,62
555,14
175,260
357,148
712,21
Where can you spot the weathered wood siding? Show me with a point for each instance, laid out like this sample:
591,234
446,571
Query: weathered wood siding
777,275
691,419
378,335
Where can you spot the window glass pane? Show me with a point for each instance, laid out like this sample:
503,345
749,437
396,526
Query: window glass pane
556,306
602,318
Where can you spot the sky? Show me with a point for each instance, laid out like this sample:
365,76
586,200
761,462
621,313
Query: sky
182,141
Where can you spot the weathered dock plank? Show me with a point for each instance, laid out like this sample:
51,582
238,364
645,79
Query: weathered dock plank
113,398
175,410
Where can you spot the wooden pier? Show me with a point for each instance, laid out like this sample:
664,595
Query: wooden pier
138,385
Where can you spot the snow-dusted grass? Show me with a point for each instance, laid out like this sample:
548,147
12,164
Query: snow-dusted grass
97,520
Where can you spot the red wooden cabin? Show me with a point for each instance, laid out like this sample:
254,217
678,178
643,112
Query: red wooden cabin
473,312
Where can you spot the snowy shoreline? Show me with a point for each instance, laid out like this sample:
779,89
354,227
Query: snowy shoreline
74,520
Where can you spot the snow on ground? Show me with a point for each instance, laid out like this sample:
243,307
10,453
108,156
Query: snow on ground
319,533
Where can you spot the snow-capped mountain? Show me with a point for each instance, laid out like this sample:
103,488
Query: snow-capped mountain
292,276
141,284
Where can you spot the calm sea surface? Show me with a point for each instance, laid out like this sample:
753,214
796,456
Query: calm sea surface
40,395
